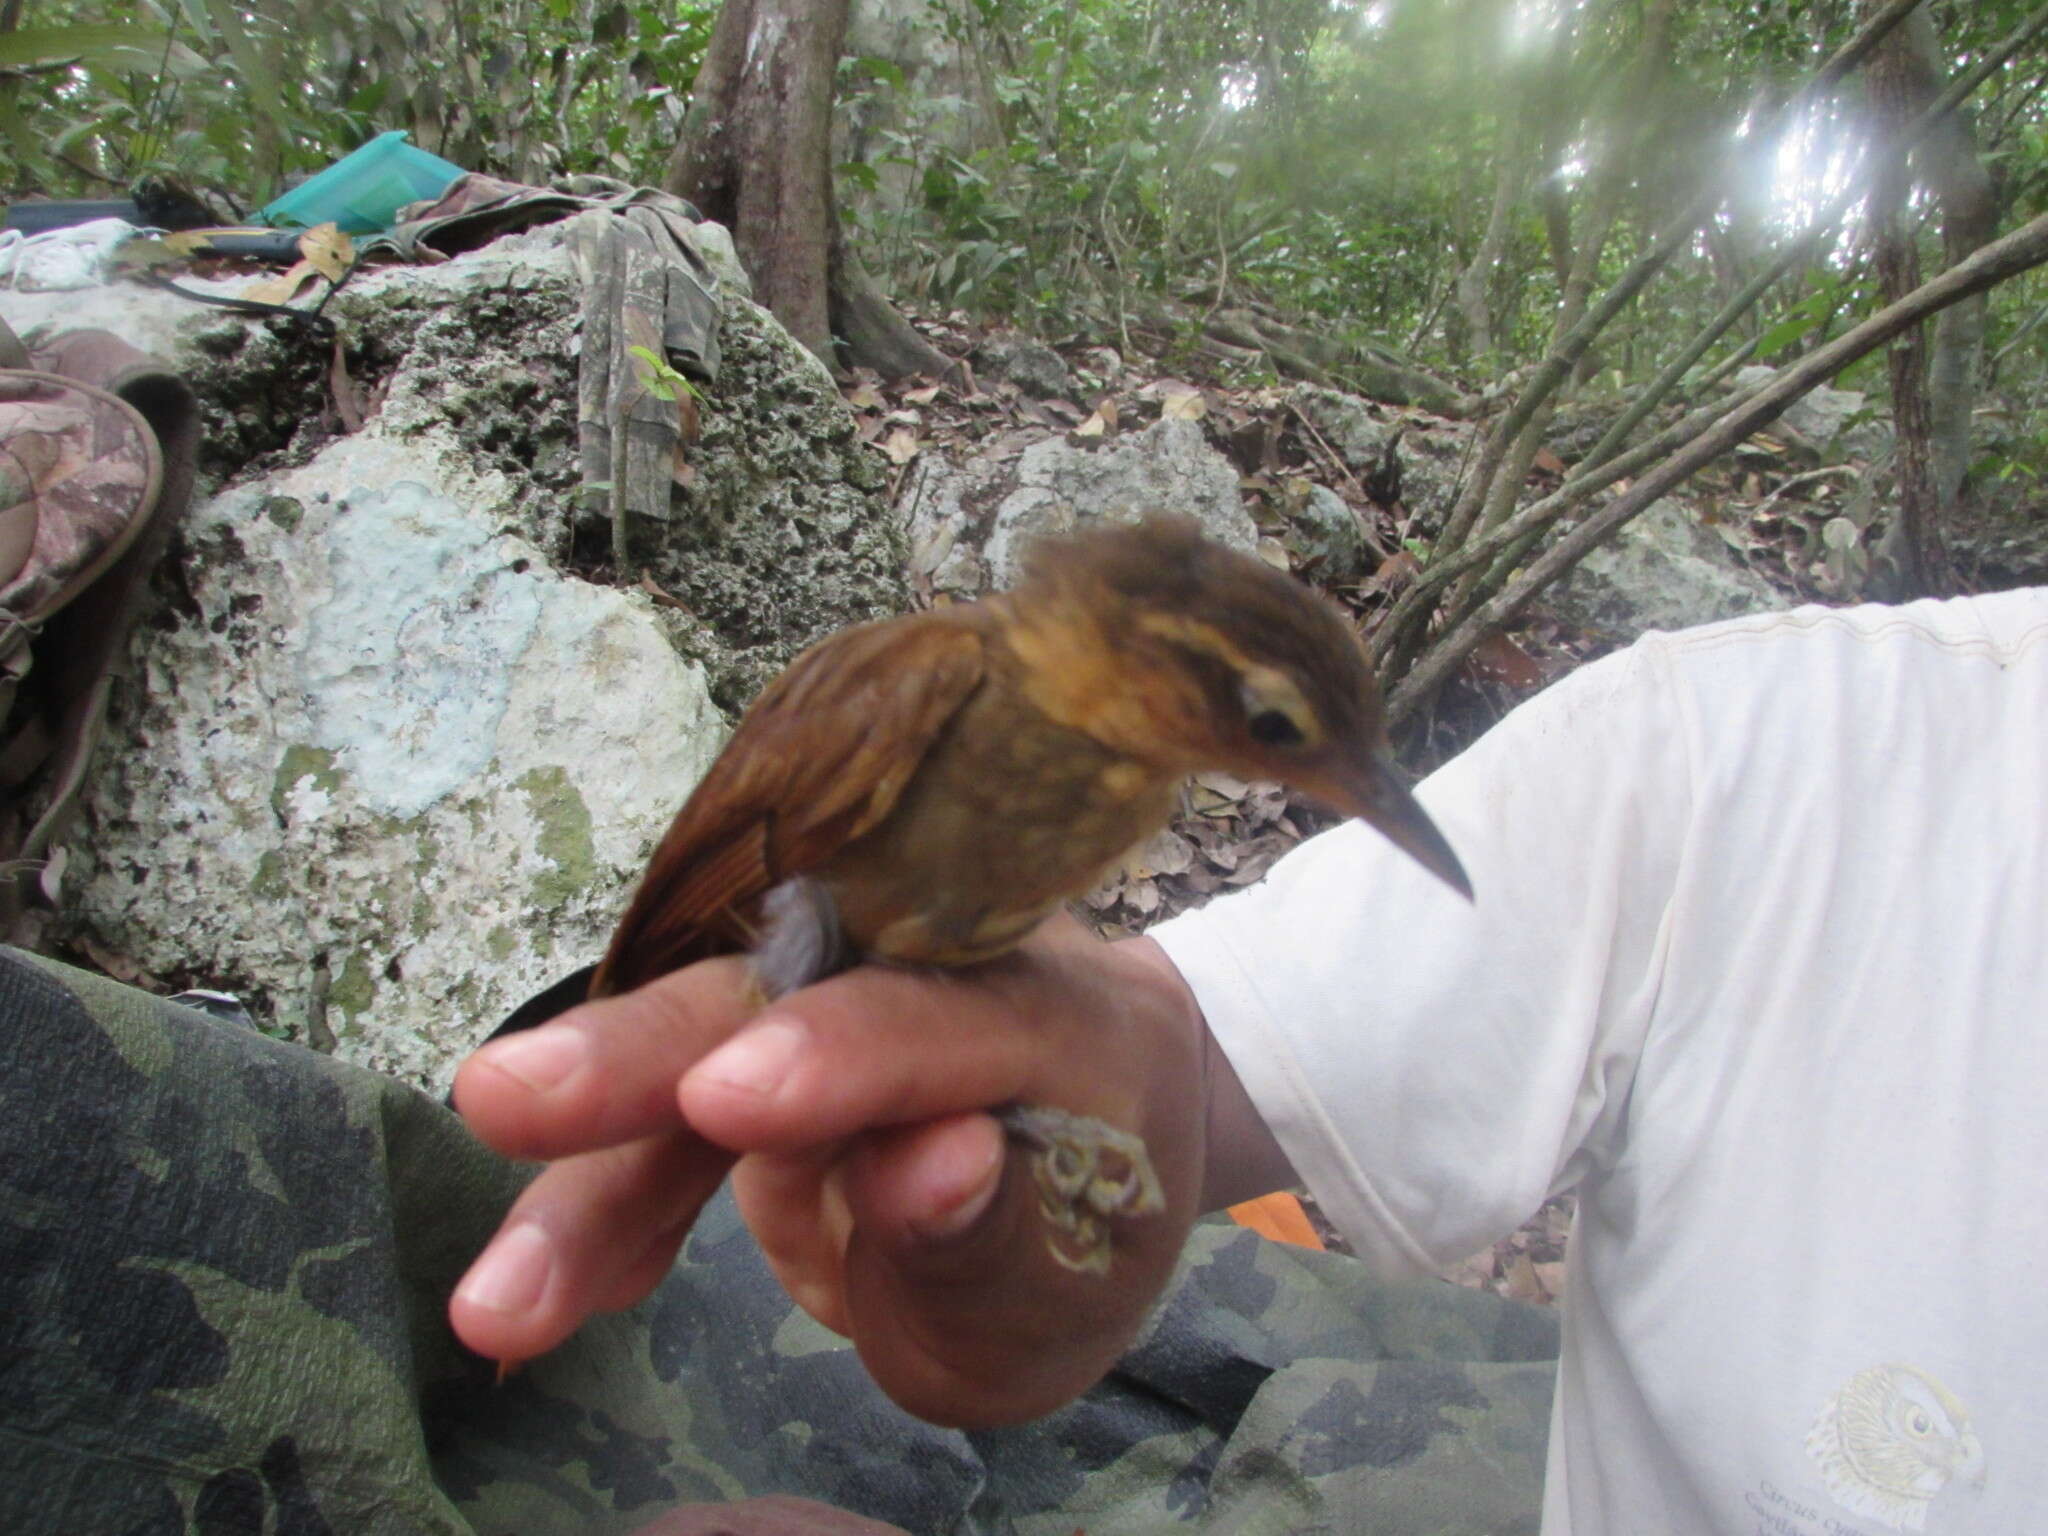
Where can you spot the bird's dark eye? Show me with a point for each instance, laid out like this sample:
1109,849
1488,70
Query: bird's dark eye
1273,728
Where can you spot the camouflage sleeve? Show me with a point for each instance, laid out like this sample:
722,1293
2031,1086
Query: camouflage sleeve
224,1263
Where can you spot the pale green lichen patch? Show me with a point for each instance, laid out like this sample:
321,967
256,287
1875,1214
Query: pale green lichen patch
354,990
269,883
302,765
563,838
500,942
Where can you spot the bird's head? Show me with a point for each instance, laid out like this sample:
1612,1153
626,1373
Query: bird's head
1200,657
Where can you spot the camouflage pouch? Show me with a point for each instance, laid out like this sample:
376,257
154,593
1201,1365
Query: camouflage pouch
97,444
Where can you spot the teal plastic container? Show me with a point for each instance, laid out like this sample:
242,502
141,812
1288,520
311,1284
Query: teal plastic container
363,192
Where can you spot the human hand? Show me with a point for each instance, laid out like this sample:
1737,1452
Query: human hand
870,1172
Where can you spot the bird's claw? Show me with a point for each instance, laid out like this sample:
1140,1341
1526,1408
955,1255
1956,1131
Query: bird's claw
1087,1172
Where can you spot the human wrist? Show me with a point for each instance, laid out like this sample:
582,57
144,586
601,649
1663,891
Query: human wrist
1241,1159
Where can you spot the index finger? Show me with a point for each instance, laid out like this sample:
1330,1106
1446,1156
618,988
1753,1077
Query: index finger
604,1072
880,1046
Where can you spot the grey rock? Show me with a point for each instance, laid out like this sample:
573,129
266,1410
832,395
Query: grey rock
969,523
1434,453
1326,540
1349,424
1030,365
388,771
1663,570
388,763
1834,423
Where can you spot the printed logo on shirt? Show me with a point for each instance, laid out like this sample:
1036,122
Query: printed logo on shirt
1890,1441
1887,1444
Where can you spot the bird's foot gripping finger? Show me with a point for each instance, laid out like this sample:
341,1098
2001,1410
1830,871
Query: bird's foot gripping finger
1088,1173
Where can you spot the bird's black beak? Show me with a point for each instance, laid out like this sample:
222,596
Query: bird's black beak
1373,791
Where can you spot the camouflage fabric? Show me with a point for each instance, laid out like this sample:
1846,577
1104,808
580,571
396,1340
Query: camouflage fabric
223,1264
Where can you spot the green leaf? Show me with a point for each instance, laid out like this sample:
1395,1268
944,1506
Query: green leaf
99,45
876,69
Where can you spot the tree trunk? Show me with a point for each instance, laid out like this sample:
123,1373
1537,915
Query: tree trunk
756,155
1475,282
1969,219
1898,89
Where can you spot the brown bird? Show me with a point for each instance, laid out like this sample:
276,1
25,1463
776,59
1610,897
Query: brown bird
927,789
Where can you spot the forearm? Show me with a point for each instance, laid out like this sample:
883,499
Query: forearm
1242,1159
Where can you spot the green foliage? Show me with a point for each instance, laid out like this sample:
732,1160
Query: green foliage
238,95
1331,161
661,378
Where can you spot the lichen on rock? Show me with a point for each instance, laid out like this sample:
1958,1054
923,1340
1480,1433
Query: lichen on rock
394,745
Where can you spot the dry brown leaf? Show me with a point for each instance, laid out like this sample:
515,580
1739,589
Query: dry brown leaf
1225,785
662,598
1548,462
932,550
1094,426
901,446
121,967
1274,553
1166,852
348,400
1397,570
922,396
1184,407
1520,1281
190,242
1497,658
281,289
328,250
865,397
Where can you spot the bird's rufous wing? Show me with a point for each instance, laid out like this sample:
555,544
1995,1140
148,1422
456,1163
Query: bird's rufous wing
819,758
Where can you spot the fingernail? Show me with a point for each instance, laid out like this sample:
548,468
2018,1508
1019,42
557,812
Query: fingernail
958,1202
543,1059
513,1273
757,1060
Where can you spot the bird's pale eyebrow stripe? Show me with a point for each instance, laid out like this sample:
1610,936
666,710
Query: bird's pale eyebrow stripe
1197,636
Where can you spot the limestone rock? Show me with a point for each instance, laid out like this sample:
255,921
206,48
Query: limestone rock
969,523
1434,453
1326,540
1663,570
1834,424
1030,365
388,772
388,759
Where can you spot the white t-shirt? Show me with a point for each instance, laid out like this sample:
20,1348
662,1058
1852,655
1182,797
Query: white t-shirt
1759,965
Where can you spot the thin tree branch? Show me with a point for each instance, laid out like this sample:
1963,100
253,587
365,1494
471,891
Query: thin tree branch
1565,354
2023,249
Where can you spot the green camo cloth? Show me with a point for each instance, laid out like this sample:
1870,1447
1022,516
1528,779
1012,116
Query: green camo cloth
223,1265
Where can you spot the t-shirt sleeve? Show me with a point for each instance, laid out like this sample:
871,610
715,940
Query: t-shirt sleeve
1435,1069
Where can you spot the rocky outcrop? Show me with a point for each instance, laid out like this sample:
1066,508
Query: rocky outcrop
969,523
1663,570
394,745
